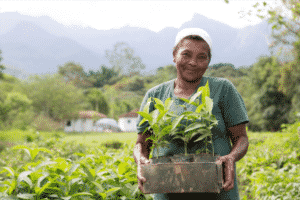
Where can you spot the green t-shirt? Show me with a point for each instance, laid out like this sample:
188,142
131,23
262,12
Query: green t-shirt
228,108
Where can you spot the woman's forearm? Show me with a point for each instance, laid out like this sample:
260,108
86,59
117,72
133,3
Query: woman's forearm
239,139
240,148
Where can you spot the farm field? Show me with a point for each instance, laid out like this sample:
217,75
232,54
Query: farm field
101,166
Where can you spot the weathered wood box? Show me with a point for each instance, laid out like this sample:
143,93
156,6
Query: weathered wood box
183,174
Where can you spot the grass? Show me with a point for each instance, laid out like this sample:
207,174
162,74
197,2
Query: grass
96,139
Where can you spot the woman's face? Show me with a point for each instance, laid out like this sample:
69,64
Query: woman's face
191,60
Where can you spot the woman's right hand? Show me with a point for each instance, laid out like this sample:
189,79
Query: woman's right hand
141,179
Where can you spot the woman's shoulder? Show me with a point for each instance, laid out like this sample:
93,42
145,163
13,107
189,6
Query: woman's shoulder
217,81
161,88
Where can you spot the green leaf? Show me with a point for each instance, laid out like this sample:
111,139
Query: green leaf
194,127
25,148
203,136
158,101
195,96
154,116
26,196
160,116
187,113
185,100
123,168
168,103
73,169
10,170
98,186
199,108
24,177
155,129
145,115
171,114
43,164
177,121
142,121
82,194
159,107
146,107
112,190
209,104
206,92
91,174
40,179
166,130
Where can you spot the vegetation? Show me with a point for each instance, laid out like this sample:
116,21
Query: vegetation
51,166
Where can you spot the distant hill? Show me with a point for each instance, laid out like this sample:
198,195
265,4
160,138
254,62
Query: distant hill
37,45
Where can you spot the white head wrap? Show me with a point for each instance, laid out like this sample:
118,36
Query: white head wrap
194,31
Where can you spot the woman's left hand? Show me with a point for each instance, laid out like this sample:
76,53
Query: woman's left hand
228,161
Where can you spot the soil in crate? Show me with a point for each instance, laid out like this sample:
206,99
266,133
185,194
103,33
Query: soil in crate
183,174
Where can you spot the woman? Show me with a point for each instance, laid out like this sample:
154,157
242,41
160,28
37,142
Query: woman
192,55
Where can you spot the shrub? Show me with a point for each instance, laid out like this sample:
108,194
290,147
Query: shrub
113,145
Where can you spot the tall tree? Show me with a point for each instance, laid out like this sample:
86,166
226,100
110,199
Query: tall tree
123,60
268,100
55,98
98,101
101,77
74,73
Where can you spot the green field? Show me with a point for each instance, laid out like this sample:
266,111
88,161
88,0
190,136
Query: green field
95,139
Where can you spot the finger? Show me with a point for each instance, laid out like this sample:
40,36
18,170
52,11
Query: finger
229,177
141,178
144,160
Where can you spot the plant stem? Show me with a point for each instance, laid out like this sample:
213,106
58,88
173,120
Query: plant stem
185,147
206,145
212,143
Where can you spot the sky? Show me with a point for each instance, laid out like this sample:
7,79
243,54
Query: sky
153,15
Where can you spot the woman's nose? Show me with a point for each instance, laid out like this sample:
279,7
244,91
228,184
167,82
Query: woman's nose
193,61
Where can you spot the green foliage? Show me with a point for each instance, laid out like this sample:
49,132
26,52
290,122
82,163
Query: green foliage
68,171
73,73
53,97
1,66
101,77
113,144
270,107
184,126
97,100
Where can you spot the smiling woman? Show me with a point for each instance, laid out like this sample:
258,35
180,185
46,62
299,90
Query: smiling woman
191,55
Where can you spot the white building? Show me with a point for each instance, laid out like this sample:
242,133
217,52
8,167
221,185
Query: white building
107,125
85,122
127,122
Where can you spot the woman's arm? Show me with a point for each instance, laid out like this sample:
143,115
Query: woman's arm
141,155
239,139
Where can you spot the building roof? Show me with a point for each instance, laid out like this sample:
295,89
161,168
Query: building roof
131,114
90,114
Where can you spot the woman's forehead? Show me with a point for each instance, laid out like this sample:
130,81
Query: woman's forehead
191,44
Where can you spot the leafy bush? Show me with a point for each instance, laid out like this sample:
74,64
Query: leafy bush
68,171
113,145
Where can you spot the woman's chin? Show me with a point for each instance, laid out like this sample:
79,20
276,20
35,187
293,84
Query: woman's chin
192,79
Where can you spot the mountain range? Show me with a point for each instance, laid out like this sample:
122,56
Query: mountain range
38,45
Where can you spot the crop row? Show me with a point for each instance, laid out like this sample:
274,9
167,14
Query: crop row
53,169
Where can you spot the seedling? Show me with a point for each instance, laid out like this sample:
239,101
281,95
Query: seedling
185,126
159,120
199,122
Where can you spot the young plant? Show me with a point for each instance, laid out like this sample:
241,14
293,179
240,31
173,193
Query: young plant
159,120
196,123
